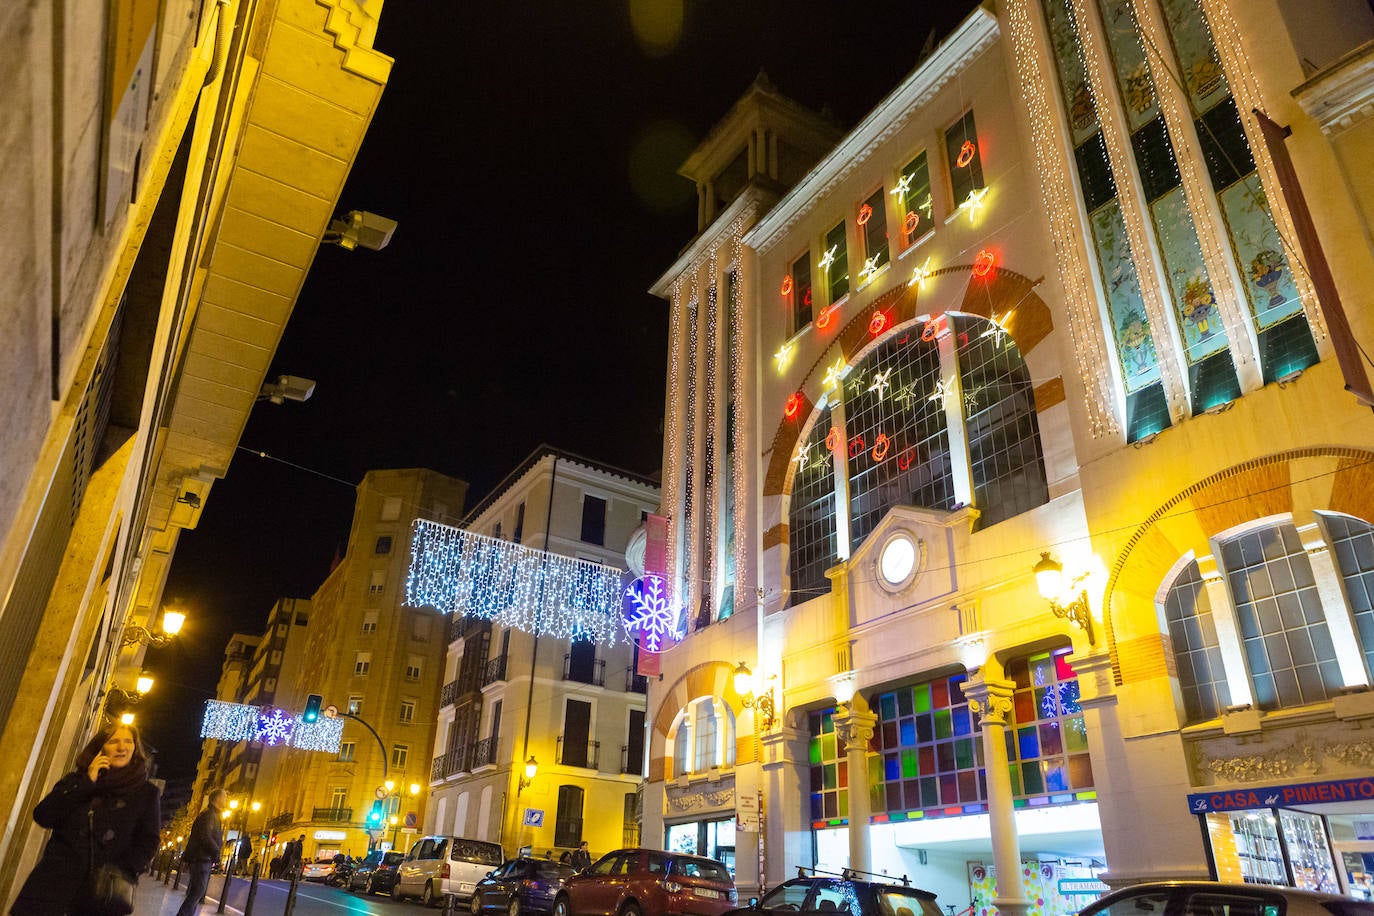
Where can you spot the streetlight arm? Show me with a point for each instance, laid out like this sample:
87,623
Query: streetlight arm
363,722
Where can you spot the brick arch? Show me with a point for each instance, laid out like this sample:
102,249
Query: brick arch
1258,488
1005,291
709,679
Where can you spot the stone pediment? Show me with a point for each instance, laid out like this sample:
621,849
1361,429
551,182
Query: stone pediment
936,538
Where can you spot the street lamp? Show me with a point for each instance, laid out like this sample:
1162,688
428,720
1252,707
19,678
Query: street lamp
136,633
1049,579
763,703
531,768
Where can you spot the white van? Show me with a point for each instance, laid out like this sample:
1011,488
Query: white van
439,865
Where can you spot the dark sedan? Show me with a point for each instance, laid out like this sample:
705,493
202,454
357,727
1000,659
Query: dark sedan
520,886
376,872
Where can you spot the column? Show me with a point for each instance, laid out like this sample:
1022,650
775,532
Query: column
854,724
990,700
784,838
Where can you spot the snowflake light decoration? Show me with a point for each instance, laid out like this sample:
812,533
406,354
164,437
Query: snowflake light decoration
275,727
649,619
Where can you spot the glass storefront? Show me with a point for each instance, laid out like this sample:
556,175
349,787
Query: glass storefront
714,839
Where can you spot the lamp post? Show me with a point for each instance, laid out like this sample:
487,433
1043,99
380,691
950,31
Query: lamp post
762,703
134,634
392,798
1049,579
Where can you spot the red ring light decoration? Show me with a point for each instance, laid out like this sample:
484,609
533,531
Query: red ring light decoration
833,440
931,329
913,219
865,214
824,318
807,297
966,154
793,405
857,446
983,263
877,323
904,458
787,285
881,446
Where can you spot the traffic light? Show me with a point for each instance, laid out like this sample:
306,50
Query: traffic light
312,708
374,817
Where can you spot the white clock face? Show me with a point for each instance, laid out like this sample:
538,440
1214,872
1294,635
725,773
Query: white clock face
898,560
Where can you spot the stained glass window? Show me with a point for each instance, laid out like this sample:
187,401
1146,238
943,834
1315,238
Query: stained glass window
811,516
1352,541
1047,750
929,749
829,769
1201,674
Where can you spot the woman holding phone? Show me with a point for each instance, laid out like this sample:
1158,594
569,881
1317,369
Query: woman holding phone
106,807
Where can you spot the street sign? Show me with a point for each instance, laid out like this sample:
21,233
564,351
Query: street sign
747,812
534,817
380,792
411,819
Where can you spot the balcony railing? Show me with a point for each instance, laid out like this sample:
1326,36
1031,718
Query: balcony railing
332,816
449,695
635,683
484,752
631,763
494,671
579,754
585,672
448,764
283,819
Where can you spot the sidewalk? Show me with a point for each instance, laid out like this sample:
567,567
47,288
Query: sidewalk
152,896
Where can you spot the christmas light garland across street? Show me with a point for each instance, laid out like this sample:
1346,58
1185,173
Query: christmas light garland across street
461,572
269,725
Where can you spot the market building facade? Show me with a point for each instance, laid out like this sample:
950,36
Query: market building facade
1016,508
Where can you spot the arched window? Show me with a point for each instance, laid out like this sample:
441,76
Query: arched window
1201,672
682,745
898,403
704,736
1352,542
704,732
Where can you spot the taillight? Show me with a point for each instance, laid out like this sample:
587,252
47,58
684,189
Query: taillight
671,887
443,872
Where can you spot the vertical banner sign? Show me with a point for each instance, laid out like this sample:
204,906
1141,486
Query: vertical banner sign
655,564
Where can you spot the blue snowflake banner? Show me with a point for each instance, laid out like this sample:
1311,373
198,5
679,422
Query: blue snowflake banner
648,617
270,726
462,572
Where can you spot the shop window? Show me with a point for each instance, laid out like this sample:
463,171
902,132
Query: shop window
873,231
801,292
1048,749
964,157
1352,542
914,201
1201,672
1283,630
836,264
929,748
811,516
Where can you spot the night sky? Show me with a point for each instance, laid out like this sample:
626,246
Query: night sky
529,151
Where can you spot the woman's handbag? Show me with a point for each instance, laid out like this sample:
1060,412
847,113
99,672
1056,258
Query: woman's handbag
107,890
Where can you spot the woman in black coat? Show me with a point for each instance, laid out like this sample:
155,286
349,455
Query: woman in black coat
108,802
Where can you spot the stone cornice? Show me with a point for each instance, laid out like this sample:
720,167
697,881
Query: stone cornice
1342,94
973,36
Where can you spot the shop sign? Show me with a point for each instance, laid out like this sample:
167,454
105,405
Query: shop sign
1308,793
330,835
1082,887
747,812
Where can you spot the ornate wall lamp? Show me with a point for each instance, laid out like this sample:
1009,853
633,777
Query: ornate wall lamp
531,768
1069,603
762,703
171,626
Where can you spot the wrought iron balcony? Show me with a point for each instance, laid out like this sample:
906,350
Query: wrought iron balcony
585,671
579,754
283,819
449,695
484,752
332,815
632,764
635,683
449,764
494,671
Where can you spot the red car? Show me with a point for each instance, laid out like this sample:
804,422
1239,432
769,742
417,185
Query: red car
632,882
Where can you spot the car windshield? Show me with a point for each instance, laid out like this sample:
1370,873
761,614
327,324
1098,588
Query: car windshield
705,869
372,858
393,858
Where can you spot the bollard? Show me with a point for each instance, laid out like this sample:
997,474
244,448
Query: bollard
291,893
252,890
176,883
450,905
224,891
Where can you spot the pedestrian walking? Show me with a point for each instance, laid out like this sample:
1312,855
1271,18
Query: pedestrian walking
103,813
581,858
202,851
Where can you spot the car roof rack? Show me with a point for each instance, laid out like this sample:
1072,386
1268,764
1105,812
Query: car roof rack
849,873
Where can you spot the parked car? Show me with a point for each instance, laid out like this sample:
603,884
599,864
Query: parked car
319,870
376,872
1212,898
632,882
843,894
440,865
521,886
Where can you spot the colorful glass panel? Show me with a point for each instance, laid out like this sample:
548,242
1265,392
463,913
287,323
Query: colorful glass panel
829,767
1048,749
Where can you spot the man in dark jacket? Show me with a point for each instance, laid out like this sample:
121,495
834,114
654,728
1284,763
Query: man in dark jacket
581,858
202,851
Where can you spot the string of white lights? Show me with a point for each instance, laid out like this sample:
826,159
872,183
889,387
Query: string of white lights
269,725
547,594
672,458
711,492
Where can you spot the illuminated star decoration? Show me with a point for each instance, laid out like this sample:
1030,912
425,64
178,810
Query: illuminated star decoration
942,393
834,374
903,186
997,329
919,275
783,355
829,257
974,202
803,456
880,383
870,267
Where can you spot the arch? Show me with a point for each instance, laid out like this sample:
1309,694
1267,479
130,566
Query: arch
709,679
440,809
460,815
1258,488
484,814
1005,293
